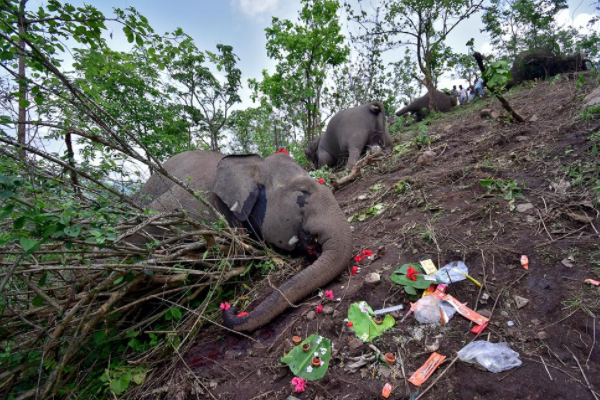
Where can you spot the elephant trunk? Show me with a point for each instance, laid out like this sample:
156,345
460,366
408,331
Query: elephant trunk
322,217
404,110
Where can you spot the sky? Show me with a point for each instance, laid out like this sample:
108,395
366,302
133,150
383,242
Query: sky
241,24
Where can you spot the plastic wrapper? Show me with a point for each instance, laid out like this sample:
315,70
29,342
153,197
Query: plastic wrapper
430,310
450,273
495,357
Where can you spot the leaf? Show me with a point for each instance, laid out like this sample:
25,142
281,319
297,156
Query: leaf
29,245
43,279
120,385
99,337
73,230
139,378
176,313
486,182
37,301
420,283
410,290
19,223
300,362
360,314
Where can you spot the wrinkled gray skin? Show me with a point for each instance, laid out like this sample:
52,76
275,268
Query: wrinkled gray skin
542,64
349,133
420,106
276,200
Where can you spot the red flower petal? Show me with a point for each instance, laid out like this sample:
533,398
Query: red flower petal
354,270
350,324
242,314
367,253
412,273
224,306
282,151
321,181
358,258
319,309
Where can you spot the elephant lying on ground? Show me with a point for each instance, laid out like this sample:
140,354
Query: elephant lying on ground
420,107
349,133
276,200
542,64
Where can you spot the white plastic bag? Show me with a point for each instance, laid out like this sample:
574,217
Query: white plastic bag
450,273
495,357
429,310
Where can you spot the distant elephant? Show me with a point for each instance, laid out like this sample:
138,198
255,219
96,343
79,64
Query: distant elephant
420,107
273,198
349,133
542,64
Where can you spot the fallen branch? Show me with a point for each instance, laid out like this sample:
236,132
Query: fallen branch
363,162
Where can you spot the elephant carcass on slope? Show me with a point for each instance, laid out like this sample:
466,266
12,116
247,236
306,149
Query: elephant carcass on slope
274,199
542,64
420,106
349,133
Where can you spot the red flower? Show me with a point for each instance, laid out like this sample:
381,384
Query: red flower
412,273
329,294
321,181
367,253
242,314
225,306
319,309
354,270
358,258
350,324
282,151
299,384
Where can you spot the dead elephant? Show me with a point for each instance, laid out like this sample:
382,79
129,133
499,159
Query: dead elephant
349,133
542,64
420,107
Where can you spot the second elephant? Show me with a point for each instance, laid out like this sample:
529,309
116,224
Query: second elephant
420,107
349,133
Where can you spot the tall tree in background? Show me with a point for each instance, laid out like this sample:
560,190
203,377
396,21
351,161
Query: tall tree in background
421,24
403,87
305,52
517,25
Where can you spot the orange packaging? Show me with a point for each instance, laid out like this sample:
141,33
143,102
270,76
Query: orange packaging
465,311
525,262
592,282
387,390
478,328
423,373
429,290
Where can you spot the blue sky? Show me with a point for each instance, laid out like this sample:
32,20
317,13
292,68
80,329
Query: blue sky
241,23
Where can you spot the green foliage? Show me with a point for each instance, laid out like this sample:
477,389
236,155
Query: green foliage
590,113
323,172
508,188
361,315
367,213
497,75
300,361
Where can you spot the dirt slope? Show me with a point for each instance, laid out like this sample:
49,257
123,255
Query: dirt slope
442,212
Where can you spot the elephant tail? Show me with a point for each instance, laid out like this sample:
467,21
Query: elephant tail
377,107
335,237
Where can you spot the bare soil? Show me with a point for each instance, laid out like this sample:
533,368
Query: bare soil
445,214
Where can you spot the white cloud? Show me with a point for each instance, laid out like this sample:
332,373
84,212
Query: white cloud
255,8
564,19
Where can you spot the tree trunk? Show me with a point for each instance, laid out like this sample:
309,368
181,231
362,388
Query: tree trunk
71,161
22,128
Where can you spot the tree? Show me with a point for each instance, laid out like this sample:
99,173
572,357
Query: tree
465,67
207,98
517,25
421,24
404,88
305,51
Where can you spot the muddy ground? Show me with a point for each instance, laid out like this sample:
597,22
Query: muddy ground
444,213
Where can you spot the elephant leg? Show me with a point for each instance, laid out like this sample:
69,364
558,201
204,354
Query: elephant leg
353,156
325,159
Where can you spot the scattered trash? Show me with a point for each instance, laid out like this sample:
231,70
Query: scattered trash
525,262
387,390
359,362
495,357
423,373
373,278
592,282
453,272
366,329
479,328
429,267
461,308
520,301
300,360
510,323
568,262
432,310
388,310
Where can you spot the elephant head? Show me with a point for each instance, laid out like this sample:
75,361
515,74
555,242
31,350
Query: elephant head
278,201
311,151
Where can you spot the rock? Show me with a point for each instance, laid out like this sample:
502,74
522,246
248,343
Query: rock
521,138
534,118
592,99
355,343
336,314
561,186
520,301
447,128
531,219
536,322
485,312
327,310
373,278
568,262
385,371
542,335
484,298
311,315
427,158
525,208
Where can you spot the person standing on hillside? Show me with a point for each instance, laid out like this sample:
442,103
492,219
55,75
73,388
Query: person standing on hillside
463,95
454,93
479,86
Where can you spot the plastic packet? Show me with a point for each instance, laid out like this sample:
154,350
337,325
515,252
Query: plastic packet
450,273
495,357
432,310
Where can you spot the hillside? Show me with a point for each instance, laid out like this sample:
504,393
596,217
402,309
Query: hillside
541,199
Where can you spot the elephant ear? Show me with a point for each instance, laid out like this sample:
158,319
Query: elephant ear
236,183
